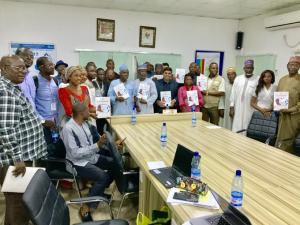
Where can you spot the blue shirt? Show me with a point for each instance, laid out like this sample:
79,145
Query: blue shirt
125,107
46,99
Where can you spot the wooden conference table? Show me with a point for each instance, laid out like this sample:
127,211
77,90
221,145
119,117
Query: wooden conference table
271,176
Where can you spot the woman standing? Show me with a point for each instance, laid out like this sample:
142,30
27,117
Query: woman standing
75,92
182,95
262,98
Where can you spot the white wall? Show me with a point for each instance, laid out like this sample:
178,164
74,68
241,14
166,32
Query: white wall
258,40
75,27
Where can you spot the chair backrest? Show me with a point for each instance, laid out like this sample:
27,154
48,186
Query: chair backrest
263,128
44,204
297,145
118,162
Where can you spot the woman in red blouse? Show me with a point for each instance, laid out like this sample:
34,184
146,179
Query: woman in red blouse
182,95
74,93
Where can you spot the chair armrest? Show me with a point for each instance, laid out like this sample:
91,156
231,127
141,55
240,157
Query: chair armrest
240,131
130,172
52,159
87,200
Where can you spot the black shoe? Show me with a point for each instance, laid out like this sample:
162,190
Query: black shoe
85,217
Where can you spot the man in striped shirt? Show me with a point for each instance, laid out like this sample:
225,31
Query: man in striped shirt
21,133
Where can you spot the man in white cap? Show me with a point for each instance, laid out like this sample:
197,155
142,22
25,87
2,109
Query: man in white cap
224,105
242,89
289,119
121,93
146,93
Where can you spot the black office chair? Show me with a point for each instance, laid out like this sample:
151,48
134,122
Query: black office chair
127,181
56,164
47,207
297,145
263,129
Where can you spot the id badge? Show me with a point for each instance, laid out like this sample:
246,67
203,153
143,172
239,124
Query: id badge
53,106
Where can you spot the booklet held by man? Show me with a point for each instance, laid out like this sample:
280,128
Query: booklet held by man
281,100
121,91
18,184
103,108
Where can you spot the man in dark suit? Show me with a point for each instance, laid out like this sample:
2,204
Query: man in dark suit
164,85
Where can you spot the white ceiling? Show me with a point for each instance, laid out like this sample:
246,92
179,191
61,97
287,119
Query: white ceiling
230,9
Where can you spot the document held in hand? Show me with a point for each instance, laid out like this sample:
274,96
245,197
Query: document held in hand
103,108
180,73
281,100
192,97
18,184
165,96
121,91
143,91
202,82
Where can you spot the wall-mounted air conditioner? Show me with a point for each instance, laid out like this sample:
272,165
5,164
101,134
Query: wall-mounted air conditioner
282,21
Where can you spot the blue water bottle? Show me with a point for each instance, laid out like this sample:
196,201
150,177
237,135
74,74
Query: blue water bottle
194,118
163,136
195,166
133,116
237,190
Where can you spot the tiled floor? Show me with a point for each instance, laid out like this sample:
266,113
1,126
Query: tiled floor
128,212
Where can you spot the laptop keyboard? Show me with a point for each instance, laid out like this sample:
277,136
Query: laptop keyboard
218,220
174,174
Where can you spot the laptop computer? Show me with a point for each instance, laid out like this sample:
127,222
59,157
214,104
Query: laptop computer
230,215
181,167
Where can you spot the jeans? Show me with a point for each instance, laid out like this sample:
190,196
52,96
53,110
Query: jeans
95,172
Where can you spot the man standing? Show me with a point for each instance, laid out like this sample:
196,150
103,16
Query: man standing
146,92
110,65
193,72
242,90
21,134
27,86
60,67
166,84
224,104
215,89
46,99
289,119
122,104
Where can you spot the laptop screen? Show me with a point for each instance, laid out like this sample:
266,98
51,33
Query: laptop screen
182,160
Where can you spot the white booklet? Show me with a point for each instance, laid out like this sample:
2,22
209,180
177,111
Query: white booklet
202,82
103,108
18,184
143,91
165,96
121,91
192,97
179,74
281,100
207,201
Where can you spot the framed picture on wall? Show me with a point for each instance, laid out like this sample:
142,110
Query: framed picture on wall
203,58
147,37
105,30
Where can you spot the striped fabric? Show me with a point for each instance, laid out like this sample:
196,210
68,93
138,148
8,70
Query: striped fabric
21,132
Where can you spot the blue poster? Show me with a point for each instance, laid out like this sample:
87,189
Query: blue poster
38,49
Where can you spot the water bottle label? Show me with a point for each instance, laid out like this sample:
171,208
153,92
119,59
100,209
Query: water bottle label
196,173
236,198
163,138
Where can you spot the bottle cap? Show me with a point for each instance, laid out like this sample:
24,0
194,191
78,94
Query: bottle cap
238,173
196,153
164,124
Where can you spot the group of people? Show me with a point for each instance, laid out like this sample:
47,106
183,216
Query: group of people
36,108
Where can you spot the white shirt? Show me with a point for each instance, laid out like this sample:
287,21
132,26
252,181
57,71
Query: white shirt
265,97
